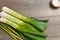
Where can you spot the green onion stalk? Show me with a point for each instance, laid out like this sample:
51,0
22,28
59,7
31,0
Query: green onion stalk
15,37
21,17
18,24
8,30
33,37
15,32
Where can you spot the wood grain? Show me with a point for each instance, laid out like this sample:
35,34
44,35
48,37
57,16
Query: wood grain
40,9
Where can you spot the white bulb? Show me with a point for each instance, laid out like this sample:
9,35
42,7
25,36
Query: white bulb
2,19
5,9
3,14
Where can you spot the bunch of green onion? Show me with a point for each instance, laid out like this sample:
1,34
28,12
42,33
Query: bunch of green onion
20,27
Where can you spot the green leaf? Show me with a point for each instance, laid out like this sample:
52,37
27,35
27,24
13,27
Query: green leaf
35,37
41,23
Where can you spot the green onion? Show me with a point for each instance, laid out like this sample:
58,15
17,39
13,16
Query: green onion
4,26
12,30
13,24
12,35
33,37
8,27
21,28
19,16
17,21
9,17
16,33
29,35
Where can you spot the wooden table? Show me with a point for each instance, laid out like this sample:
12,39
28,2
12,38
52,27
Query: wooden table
40,9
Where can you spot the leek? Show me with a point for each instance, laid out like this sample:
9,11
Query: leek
21,17
26,28
33,37
21,28
17,21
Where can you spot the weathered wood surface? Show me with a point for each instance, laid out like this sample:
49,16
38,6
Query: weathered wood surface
40,9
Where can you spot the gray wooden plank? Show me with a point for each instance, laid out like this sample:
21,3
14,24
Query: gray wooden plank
54,38
40,9
31,7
